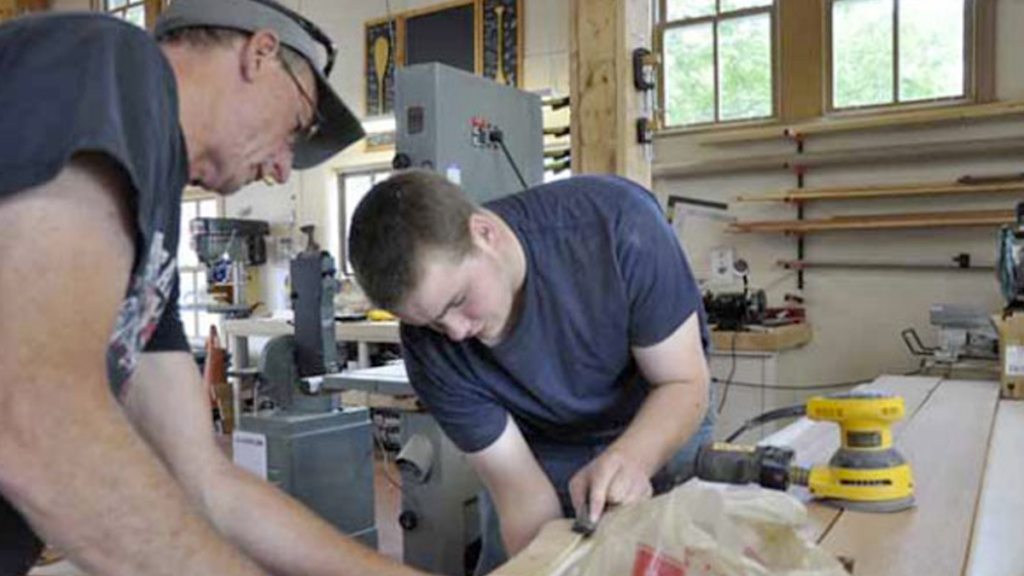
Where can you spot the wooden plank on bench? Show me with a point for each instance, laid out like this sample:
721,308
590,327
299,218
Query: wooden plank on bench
996,543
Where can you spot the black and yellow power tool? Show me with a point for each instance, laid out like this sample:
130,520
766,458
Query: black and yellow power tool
866,473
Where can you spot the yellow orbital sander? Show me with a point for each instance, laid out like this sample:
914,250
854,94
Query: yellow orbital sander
866,473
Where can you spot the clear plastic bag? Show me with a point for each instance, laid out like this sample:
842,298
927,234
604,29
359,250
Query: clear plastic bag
704,530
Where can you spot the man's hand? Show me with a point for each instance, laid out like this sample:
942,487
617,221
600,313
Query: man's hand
678,373
609,480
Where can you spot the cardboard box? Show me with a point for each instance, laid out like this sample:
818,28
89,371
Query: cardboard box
1011,353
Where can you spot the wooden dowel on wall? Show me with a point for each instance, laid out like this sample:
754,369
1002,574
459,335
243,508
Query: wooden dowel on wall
858,192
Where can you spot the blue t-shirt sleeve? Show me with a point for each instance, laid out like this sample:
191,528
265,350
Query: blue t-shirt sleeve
470,417
660,286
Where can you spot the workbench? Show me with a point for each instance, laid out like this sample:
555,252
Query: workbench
959,438
362,333
237,333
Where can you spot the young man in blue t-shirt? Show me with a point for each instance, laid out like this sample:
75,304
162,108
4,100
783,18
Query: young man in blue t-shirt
556,335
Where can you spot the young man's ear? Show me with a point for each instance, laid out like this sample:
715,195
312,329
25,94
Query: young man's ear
258,51
483,229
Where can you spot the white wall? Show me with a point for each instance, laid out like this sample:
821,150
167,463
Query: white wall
858,314
305,199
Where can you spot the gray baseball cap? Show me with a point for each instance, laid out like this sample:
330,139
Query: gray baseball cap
339,127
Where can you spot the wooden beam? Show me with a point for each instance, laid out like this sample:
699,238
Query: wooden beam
984,65
800,42
605,103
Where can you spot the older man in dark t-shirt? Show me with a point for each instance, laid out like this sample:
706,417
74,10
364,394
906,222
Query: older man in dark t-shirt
557,336
106,445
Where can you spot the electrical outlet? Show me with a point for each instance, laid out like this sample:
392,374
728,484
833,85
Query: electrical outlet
722,261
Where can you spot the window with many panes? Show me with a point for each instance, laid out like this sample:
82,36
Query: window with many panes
719,60
886,52
193,298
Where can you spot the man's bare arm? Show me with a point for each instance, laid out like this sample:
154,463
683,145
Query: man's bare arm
272,528
524,496
669,416
71,462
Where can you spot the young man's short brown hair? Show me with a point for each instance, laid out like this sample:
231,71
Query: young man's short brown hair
401,219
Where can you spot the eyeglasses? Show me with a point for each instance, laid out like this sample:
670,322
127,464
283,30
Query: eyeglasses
314,31
303,134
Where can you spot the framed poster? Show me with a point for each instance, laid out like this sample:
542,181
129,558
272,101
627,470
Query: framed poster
381,54
503,41
479,36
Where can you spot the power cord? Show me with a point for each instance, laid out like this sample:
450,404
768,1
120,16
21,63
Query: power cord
728,380
498,137
777,414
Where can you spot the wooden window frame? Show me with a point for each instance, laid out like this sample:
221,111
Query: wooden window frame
971,62
803,72
662,26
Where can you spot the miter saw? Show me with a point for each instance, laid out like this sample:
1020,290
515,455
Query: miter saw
866,473
1010,265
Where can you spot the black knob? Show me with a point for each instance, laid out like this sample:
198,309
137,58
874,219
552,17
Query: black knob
401,161
408,520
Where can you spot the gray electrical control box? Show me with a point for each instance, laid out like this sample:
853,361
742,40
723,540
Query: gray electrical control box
323,460
445,122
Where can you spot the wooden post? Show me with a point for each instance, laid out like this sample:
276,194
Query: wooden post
802,59
605,103
8,9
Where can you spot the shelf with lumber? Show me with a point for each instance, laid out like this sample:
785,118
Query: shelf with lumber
796,195
927,116
879,222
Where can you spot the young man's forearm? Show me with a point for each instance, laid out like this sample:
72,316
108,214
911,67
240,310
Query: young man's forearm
521,521
669,416
522,493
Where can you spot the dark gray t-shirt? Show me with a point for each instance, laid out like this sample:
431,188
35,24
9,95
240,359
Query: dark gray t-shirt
605,273
78,83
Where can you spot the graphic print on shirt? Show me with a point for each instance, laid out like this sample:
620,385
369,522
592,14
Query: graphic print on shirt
141,310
